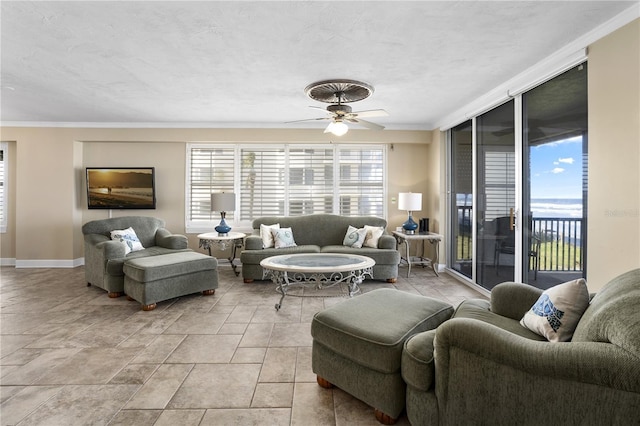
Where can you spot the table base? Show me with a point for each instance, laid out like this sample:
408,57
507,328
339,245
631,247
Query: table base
284,279
223,245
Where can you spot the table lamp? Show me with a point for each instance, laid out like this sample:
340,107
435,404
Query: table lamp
411,202
223,202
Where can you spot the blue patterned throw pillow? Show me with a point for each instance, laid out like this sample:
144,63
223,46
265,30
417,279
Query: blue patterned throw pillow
128,238
558,310
283,237
354,237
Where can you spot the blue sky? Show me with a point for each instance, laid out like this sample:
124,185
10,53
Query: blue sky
556,169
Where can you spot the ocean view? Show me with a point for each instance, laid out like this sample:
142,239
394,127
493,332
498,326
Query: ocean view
556,207
561,217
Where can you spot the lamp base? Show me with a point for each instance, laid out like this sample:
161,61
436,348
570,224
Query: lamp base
223,229
410,226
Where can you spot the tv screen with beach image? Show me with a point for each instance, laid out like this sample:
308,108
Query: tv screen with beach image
121,188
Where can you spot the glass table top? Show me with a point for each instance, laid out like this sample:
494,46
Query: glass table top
311,262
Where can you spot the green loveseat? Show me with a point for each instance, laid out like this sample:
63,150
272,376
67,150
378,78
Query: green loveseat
320,233
483,367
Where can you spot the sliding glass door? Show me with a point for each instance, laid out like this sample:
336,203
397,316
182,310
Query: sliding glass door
555,185
461,202
496,196
518,187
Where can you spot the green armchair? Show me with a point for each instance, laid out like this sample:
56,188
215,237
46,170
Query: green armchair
483,367
104,258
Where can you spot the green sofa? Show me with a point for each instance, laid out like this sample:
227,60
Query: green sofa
483,367
104,258
320,233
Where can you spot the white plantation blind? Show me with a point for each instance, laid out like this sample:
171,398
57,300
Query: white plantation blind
310,181
210,170
361,187
262,190
3,186
284,180
500,183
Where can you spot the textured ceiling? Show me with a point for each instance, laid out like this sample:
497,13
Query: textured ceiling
246,64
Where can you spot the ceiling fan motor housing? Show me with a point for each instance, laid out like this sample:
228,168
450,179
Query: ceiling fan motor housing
339,109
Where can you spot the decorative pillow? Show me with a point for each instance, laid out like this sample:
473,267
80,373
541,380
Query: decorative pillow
373,235
129,238
354,237
266,235
283,237
557,311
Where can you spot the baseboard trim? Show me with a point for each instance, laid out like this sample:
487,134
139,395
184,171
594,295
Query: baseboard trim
8,261
49,263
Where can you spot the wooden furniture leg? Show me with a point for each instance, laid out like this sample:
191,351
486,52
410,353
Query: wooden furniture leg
383,418
324,382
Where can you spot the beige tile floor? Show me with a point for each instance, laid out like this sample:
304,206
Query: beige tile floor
69,355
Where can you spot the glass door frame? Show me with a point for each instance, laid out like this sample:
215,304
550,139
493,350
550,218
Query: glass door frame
519,180
560,111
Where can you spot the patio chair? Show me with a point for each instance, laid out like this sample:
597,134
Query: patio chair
506,244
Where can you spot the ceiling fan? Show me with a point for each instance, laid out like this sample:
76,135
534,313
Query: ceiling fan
338,93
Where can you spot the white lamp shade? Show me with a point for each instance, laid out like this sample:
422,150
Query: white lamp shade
410,201
223,202
338,128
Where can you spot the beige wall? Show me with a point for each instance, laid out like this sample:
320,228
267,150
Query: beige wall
614,155
50,202
8,239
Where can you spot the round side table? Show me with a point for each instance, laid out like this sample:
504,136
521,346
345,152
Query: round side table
232,239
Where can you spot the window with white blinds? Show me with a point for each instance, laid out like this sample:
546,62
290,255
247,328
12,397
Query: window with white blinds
210,169
3,186
310,181
284,180
262,188
361,187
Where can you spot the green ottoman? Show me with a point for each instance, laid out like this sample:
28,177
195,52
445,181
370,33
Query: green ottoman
357,345
153,279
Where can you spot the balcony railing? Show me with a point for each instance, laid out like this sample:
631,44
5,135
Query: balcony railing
561,241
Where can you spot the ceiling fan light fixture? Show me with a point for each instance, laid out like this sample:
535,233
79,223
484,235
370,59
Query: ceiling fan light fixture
338,128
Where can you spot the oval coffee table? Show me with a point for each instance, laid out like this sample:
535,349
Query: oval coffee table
321,270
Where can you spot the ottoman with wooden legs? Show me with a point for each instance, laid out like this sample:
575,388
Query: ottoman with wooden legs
357,345
152,279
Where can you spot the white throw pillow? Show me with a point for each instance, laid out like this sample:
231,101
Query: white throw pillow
558,310
129,238
283,237
373,235
266,235
354,237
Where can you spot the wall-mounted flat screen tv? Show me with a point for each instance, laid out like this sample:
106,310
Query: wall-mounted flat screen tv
121,188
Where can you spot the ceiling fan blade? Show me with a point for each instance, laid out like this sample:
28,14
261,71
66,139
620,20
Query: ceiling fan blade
329,113
371,113
308,119
367,124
